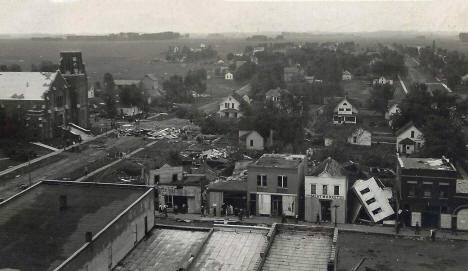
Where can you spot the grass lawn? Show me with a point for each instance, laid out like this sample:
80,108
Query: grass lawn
386,253
357,89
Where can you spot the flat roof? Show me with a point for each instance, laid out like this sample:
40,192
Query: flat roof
36,235
165,249
231,249
279,161
301,249
426,163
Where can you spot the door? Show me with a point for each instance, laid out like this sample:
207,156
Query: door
276,205
325,206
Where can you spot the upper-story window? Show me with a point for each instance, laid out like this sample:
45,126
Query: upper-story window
283,181
412,134
336,190
313,189
261,180
325,189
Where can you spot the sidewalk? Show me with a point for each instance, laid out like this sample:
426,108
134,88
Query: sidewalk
376,229
12,169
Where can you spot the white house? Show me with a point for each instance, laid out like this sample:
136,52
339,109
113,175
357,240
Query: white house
130,111
346,76
410,139
344,112
229,76
382,81
229,107
274,95
360,137
325,193
251,140
91,92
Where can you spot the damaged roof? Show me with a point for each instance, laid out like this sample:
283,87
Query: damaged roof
25,85
426,163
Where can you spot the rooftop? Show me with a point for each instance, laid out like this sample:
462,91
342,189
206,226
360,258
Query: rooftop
25,85
300,249
126,82
165,249
231,249
426,163
37,235
328,168
279,161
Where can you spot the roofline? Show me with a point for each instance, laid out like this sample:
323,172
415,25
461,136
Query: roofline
82,248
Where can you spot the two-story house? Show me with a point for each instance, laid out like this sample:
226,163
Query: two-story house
409,139
275,185
345,112
425,188
229,107
325,193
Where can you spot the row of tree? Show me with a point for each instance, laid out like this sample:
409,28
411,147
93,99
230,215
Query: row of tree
180,89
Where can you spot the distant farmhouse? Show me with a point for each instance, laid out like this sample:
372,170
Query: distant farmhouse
346,76
229,76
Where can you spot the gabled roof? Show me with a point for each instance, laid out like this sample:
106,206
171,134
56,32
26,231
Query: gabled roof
245,135
328,168
25,85
406,127
276,92
345,99
346,72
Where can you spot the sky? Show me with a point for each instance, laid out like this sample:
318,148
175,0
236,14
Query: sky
221,16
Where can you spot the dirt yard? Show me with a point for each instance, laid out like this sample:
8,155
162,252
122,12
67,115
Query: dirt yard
385,253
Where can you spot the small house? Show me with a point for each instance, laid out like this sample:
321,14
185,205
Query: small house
360,137
346,76
229,107
410,139
382,81
229,76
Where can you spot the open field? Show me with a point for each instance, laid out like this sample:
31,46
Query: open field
386,253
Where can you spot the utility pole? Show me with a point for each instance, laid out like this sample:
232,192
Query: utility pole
336,208
29,170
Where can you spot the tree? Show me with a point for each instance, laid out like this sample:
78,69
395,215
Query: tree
109,95
176,90
45,66
132,96
380,95
195,80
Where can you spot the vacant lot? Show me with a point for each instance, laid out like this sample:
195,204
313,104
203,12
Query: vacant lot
386,253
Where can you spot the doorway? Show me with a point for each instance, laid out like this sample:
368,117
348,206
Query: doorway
325,206
276,205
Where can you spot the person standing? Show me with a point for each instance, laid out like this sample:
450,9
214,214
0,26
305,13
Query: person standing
417,229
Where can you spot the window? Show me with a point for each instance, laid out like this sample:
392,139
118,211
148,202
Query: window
336,190
168,200
261,180
251,143
412,188
341,109
235,115
365,190
376,211
226,105
232,105
156,179
412,134
354,139
370,201
325,189
443,190
174,177
283,181
348,109
427,188
313,189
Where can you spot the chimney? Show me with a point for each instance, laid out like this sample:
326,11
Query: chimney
63,202
88,237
